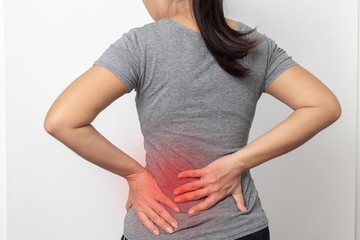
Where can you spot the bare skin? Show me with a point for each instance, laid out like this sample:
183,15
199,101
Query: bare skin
179,11
70,116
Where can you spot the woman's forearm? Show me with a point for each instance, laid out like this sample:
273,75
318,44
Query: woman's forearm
87,142
301,125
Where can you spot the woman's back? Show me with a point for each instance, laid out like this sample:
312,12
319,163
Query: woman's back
191,112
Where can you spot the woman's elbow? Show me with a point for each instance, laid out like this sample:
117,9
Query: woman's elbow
333,109
53,124
50,126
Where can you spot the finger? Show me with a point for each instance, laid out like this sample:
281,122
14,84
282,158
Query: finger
239,199
206,204
159,220
162,212
189,187
145,220
191,173
167,201
194,195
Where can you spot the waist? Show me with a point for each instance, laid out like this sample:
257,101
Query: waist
223,220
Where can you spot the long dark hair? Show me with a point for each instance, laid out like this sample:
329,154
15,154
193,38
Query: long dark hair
223,42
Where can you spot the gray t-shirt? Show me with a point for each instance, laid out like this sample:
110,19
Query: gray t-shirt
192,112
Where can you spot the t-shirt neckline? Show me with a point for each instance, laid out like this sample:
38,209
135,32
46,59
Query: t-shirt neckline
189,30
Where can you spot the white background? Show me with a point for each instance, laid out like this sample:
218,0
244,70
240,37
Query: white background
50,192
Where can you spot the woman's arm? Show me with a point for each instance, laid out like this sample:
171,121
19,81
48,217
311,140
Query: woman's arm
69,120
315,108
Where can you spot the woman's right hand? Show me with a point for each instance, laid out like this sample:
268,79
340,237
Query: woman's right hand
145,197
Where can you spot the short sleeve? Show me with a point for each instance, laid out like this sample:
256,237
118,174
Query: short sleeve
123,58
277,62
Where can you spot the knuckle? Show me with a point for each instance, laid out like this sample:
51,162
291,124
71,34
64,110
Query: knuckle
144,219
184,197
216,188
168,202
148,197
207,191
186,187
170,219
161,198
199,194
167,217
196,194
196,184
140,207
208,201
209,171
187,197
211,190
212,180
161,211
155,218
213,201
146,222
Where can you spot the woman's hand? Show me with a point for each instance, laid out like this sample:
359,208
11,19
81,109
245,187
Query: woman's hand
145,196
219,179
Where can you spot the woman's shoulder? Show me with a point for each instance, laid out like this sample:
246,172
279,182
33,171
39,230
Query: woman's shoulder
237,24
145,32
245,27
149,27
264,39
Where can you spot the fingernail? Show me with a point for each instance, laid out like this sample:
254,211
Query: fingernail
176,192
191,211
177,199
156,232
177,209
169,230
174,224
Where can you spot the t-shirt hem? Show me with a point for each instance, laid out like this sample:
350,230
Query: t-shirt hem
235,236
278,72
250,231
117,73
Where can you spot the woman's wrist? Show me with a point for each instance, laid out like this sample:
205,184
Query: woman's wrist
135,173
239,163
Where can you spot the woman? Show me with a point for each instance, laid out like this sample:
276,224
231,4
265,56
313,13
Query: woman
197,77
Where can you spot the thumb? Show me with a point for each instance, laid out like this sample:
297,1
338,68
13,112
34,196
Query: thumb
239,199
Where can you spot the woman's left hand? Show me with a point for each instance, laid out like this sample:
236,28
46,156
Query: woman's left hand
219,179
